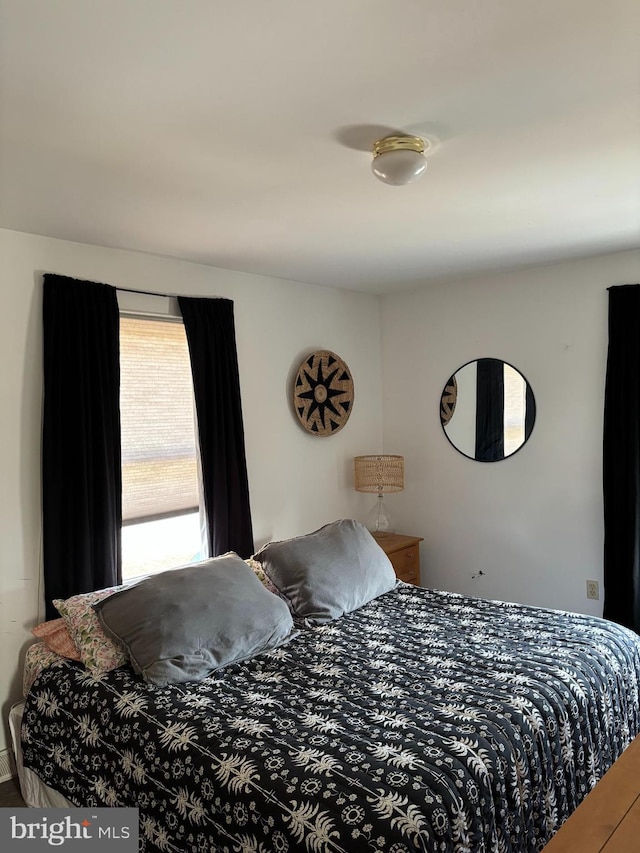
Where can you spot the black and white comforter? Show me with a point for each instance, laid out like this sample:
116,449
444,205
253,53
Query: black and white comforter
425,721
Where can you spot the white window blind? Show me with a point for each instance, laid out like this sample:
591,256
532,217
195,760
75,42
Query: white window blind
159,460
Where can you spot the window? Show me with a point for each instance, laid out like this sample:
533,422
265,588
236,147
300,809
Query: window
515,408
160,486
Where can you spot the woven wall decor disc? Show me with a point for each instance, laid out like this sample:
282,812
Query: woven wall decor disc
323,393
448,401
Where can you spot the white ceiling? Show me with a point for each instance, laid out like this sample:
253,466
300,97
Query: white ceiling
238,134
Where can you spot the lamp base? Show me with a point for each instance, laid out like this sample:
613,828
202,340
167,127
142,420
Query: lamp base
379,522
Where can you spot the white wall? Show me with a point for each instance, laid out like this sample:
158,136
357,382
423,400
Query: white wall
533,522
297,481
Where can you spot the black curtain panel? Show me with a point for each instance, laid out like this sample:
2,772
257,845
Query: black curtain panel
210,328
489,410
529,412
621,459
81,471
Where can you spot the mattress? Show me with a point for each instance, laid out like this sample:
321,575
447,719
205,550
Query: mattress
34,792
424,721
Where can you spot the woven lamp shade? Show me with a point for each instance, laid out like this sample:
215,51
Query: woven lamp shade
379,474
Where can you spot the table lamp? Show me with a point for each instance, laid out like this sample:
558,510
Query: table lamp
379,475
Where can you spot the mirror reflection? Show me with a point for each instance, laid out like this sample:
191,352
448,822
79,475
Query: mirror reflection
487,410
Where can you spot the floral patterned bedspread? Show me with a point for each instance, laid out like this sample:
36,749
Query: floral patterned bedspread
425,721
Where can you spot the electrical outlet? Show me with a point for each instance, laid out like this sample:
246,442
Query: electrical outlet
593,589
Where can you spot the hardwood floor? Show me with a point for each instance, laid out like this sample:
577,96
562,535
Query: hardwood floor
10,795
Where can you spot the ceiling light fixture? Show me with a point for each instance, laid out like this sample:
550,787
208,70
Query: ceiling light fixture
399,160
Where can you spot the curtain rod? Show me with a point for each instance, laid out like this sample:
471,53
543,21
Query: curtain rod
168,295
614,286
134,290
155,293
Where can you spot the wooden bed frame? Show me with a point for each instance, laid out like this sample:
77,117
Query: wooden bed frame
608,819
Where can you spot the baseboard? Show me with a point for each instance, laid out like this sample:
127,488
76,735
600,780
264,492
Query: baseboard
7,765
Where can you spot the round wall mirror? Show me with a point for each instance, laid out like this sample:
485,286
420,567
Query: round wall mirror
487,410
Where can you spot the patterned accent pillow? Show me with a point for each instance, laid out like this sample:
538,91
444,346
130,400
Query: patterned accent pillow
261,575
98,652
56,637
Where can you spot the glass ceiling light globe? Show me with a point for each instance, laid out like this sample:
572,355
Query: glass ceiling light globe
398,160
398,168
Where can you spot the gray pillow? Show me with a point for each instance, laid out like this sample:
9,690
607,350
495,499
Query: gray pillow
182,624
330,572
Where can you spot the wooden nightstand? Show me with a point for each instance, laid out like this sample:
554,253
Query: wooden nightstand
404,553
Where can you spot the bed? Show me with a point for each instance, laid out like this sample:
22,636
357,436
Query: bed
421,720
